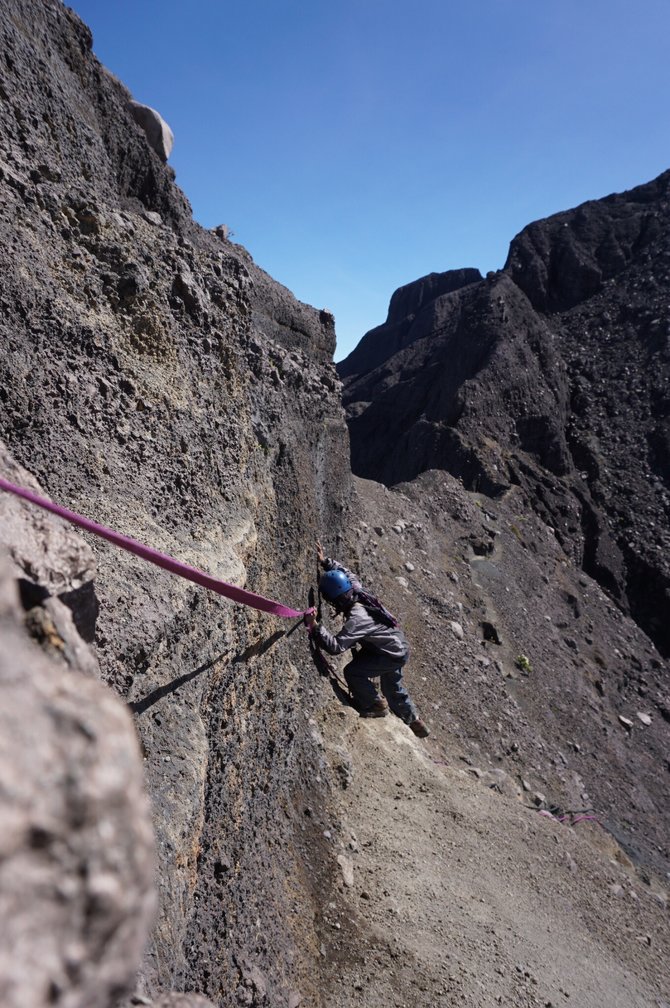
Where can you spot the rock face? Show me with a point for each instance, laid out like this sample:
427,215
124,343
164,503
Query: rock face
552,374
53,570
154,379
76,846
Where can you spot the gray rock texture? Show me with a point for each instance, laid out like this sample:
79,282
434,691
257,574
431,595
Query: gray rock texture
552,375
76,846
154,379
182,1001
492,570
53,569
43,551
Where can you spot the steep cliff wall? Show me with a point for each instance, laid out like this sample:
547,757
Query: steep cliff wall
153,378
552,374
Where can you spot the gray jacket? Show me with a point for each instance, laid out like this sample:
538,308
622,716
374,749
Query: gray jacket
361,628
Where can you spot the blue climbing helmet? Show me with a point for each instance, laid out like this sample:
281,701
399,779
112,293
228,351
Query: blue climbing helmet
333,584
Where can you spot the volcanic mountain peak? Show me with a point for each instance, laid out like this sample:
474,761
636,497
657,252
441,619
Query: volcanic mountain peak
552,374
414,310
563,260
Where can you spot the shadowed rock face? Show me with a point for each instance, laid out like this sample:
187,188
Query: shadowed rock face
415,311
153,378
552,374
562,261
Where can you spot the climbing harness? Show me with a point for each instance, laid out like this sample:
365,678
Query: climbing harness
153,556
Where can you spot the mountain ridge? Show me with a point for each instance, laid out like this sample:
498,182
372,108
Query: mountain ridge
573,330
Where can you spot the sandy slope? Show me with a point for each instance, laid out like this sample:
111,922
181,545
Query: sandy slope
449,889
464,896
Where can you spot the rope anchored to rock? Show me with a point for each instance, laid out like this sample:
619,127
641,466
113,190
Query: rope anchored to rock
154,556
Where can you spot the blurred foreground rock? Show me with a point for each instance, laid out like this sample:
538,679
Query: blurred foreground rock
77,887
76,893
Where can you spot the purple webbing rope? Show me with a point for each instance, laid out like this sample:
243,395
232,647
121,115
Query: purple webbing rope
168,563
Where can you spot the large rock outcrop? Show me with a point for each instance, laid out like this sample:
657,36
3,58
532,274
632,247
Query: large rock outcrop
158,133
407,321
76,847
552,374
153,378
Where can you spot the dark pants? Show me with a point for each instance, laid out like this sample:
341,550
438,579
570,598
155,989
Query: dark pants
367,665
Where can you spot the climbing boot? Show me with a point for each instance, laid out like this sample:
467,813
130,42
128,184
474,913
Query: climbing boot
419,729
379,709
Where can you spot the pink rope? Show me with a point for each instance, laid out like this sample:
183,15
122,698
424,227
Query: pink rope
569,819
168,563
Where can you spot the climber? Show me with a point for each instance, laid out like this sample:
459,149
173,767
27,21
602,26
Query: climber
383,650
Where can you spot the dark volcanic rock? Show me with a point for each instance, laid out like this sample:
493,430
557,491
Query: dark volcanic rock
563,260
153,378
415,311
553,374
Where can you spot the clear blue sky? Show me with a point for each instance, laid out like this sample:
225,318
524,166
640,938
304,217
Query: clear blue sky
355,145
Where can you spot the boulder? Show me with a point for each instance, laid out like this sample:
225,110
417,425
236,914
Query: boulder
76,845
158,133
